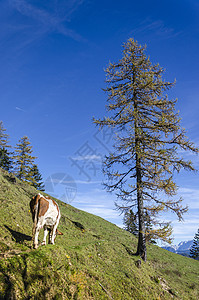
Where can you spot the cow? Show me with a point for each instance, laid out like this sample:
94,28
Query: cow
45,214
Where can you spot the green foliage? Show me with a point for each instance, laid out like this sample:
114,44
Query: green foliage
5,155
3,137
5,159
148,137
21,162
194,251
131,222
36,178
24,161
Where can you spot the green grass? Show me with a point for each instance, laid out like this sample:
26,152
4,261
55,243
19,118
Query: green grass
92,260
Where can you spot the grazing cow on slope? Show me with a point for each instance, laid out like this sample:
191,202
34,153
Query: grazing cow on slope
45,213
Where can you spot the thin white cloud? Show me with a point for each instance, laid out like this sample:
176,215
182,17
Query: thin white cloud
29,10
99,203
95,197
158,27
49,21
72,181
189,221
88,158
87,182
20,109
101,211
190,196
185,230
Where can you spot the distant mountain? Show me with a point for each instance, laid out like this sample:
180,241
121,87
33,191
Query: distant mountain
182,248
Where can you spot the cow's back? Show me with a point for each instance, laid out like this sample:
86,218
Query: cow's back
52,214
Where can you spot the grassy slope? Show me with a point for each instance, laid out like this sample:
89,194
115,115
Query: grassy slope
92,260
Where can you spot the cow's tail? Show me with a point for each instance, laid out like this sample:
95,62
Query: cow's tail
36,216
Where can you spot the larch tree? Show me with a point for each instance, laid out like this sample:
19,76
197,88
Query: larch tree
24,160
5,154
194,251
148,137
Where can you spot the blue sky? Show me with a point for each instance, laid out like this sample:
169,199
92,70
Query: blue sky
52,57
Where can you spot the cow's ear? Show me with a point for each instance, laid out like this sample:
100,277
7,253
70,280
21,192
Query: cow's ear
59,232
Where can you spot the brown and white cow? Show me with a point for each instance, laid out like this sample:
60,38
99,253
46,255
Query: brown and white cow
45,214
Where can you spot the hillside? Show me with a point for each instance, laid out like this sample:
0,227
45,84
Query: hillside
92,260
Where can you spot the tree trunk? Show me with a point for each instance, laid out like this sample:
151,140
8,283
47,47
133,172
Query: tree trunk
141,249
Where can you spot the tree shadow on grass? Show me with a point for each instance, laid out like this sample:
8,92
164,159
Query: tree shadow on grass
78,225
17,236
129,251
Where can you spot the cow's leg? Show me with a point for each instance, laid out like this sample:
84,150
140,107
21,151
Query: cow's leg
53,234
35,243
50,236
39,226
54,230
45,235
